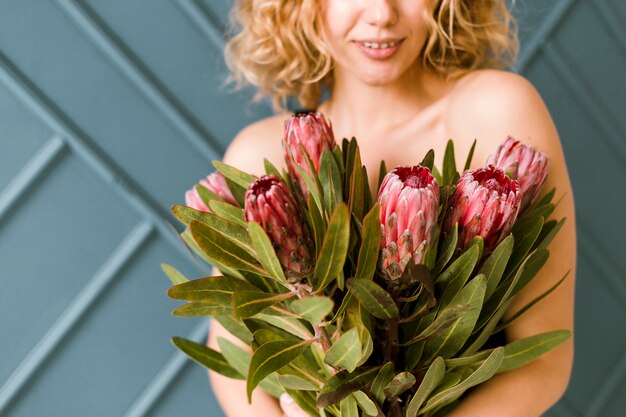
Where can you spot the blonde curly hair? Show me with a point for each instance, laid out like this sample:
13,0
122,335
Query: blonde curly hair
278,48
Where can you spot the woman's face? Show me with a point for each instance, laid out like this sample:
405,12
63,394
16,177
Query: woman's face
374,40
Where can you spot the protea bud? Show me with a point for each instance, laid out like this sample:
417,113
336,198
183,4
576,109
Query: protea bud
215,183
409,203
269,203
315,133
485,203
524,164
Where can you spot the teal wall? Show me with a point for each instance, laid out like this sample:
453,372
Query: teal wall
110,110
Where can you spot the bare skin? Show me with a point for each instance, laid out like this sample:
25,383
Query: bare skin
398,114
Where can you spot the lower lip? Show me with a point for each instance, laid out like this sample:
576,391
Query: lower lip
379,53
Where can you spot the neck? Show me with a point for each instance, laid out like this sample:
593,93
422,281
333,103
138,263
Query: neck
364,110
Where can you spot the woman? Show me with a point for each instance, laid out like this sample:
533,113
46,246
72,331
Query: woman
404,76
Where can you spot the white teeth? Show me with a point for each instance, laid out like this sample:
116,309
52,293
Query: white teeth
375,45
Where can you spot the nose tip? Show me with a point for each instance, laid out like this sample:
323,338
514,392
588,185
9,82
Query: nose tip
381,13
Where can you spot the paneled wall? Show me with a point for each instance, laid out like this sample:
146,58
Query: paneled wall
111,109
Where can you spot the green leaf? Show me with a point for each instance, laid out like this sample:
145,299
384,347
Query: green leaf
348,408
524,351
356,200
545,239
313,309
228,212
449,164
400,383
206,357
289,324
334,249
382,171
429,160
457,274
482,374
545,199
188,239
197,308
218,289
222,250
535,262
235,175
265,252
370,247
346,351
365,403
205,194
470,155
494,266
433,377
344,383
296,383
384,377
235,327
173,274
445,319
248,303
473,360
270,169
331,181
271,357
525,237
447,249
373,298
452,338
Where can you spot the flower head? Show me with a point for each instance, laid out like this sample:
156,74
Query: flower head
315,133
409,203
216,183
485,203
269,203
524,164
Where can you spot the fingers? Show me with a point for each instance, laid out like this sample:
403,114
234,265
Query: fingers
290,408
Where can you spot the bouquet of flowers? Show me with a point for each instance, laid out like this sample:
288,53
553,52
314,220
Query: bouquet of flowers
360,305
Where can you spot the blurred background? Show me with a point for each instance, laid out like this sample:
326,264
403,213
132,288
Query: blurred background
110,110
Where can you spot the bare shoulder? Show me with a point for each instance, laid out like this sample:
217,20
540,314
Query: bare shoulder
259,140
492,104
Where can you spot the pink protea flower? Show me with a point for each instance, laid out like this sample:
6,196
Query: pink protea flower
215,183
485,203
409,203
524,164
315,133
269,203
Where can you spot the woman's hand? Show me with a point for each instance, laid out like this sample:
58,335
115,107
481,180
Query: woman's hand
290,408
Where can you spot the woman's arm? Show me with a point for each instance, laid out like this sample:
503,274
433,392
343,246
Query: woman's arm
506,104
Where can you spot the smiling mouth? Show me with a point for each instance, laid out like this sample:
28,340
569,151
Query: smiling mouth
379,45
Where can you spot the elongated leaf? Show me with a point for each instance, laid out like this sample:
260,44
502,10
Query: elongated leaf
173,274
365,403
370,247
429,159
483,373
457,274
524,351
400,383
296,383
206,357
218,289
545,239
531,268
473,360
346,351
205,194
227,212
222,250
445,319
265,252
270,169
470,155
188,239
197,308
494,266
524,240
447,249
373,298
382,171
449,164
235,175
312,309
248,303
384,377
334,249
270,357
344,383
289,324
331,181
356,199
235,327
348,408
433,377
452,338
